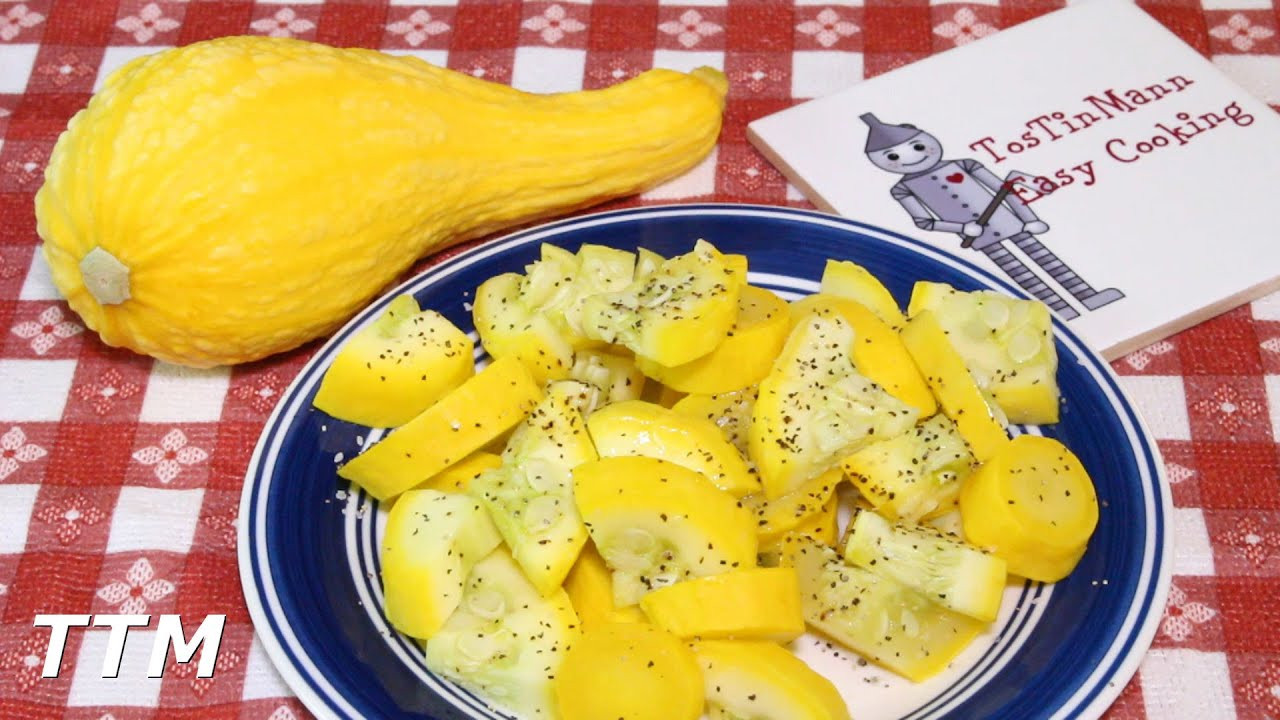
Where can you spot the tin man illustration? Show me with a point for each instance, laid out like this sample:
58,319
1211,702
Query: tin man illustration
964,197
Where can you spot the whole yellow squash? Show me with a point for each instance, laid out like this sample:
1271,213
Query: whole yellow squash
223,201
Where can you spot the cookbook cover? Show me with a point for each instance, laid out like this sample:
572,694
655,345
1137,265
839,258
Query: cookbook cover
1089,156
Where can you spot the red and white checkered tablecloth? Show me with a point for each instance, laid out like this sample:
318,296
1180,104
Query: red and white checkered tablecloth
120,476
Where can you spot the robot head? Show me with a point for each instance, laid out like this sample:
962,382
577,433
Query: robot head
901,149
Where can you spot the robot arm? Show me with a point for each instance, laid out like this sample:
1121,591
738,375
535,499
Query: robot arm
993,182
920,214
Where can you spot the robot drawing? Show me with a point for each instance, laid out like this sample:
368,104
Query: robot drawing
964,197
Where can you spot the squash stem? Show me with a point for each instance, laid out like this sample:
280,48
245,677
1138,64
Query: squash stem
105,277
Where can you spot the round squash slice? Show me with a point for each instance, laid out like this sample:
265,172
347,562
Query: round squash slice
629,670
590,588
396,367
431,542
742,359
731,412
656,523
1032,504
636,427
763,681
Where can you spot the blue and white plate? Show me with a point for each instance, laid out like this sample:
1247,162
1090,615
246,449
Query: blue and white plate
309,564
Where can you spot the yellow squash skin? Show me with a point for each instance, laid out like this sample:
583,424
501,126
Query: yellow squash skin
764,681
248,194
744,604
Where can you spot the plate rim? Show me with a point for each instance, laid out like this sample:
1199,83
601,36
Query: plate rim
1108,687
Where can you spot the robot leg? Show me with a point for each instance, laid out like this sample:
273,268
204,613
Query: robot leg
1014,268
1065,276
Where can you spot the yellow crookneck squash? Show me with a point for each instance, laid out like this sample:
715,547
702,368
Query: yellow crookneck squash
234,198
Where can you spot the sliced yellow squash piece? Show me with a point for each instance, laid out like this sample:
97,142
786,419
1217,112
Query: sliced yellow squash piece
458,476
742,359
468,418
530,497
731,412
979,423
590,588
508,314
916,475
1032,504
883,620
877,351
1006,342
777,517
629,670
763,681
396,367
646,262
746,604
814,408
822,527
635,427
505,642
432,540
657,523
678,313
613,378
846,279
952,573
600,269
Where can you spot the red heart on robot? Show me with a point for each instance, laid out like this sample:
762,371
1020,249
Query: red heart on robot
956,178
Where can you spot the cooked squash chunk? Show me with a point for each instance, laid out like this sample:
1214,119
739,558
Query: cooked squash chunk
1006,343
814,408
657,523
677,313
396,367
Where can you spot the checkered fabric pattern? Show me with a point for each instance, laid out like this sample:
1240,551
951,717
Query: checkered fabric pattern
120,476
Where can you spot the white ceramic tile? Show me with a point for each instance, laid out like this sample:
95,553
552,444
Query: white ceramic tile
35,390
548,70
131,687
154,519
182,394
1162,401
